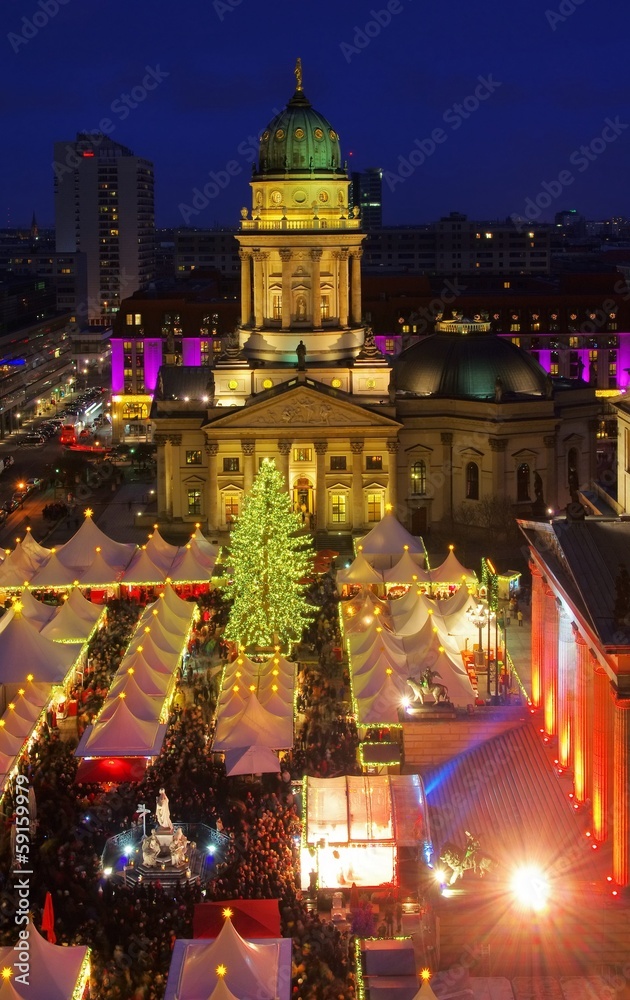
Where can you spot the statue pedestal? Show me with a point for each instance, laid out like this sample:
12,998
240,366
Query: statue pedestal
164,837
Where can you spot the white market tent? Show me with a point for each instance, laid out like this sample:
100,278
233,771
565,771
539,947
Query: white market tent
24,651
144,706
18,723
251,760
384,545
151,681
71,625
160,552
407,572
260,969
54,574
360,572
189,566
252,726
122,735
55,972
36,612
78,553
142,571
451,572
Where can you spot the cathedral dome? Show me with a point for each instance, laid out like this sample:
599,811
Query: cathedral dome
457,366
299,139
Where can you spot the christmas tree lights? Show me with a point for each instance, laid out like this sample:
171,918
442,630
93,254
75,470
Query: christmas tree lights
268,558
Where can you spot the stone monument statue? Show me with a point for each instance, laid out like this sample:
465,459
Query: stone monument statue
178,848
300,350
150,850
498,389
162,811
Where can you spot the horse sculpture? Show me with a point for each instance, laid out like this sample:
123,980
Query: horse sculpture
427,686
460,859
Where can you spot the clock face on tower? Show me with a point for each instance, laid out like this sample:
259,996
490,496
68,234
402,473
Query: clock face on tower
276,197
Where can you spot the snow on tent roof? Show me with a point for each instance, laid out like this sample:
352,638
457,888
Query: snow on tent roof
122,735
254,725
252,969
80,550
359,572
36,612
189,567
53,970
24,651
142,570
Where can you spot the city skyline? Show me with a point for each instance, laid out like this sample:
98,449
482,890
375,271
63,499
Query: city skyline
495,114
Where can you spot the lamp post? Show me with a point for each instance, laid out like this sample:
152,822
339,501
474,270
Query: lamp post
480,616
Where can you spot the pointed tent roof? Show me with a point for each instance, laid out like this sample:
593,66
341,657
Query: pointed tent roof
188,567
68,626
360,572
382,708
251,968
36,612
121,735
181,607
144,706
54,573
54,970
385,543
406,571
452,571
251,760
16,570
79,551
208,550
417,617
37,553
425,992
254,726
220,992
24,651
151,681
162,638
8,990
100,572
364,616
148,653
84,608
161,552
142,570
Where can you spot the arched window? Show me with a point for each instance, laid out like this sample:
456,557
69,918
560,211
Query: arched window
573,470
472,481
419,477
522,482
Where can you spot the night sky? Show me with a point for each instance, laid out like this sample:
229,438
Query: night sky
554,71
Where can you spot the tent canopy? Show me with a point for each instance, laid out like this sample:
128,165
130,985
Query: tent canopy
366,809
251,760
25,651
254,726
79,552
384,545
451,571
252,968
360,572
54,970
121,735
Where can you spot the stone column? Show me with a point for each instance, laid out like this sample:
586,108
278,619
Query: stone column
621,792
284,447
285,256
392,482
537,633
566,681
551,493
316,287
246,287
321,447
601,753
582,735
212,449
356,286
447,467
550,662
357,484
173,487
259,257
593,426
163,473
248,447
498,447
343,287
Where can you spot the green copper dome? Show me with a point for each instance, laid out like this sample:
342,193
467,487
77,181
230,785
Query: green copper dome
299,139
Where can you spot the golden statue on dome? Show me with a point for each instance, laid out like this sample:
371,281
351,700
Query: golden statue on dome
298,74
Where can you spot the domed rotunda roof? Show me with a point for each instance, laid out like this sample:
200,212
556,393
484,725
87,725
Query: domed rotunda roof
299,138
469,366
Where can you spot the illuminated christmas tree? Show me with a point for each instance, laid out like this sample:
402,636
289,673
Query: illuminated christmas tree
268,558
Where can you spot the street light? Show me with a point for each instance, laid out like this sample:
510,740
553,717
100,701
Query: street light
480,616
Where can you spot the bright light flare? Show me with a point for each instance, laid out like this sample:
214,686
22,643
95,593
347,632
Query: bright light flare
531,888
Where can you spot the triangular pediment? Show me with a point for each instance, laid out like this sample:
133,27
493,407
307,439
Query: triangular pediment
283,409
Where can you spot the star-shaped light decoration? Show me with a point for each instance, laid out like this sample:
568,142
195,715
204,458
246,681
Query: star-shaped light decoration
425,975
227,913
18,607
88,512
7,972
221,971
388,508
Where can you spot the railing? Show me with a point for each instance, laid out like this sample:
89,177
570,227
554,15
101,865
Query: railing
128,842
278,224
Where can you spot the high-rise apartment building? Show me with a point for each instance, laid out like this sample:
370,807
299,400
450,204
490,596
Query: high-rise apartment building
104,209
366,192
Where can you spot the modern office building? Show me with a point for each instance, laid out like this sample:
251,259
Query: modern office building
366,192
104,209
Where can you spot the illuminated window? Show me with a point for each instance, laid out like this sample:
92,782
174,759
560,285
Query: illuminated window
419,477
325,307
194,501
389,345
574,341
137,319
522,482
516,340
302,454
135,411
554,364
506,284
193,458
337,463
277,307
374,463
230,464
338,507
129,319
488,236
472,481
515,327
374,506
231,502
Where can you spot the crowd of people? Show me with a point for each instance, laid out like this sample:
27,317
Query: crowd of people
132,928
